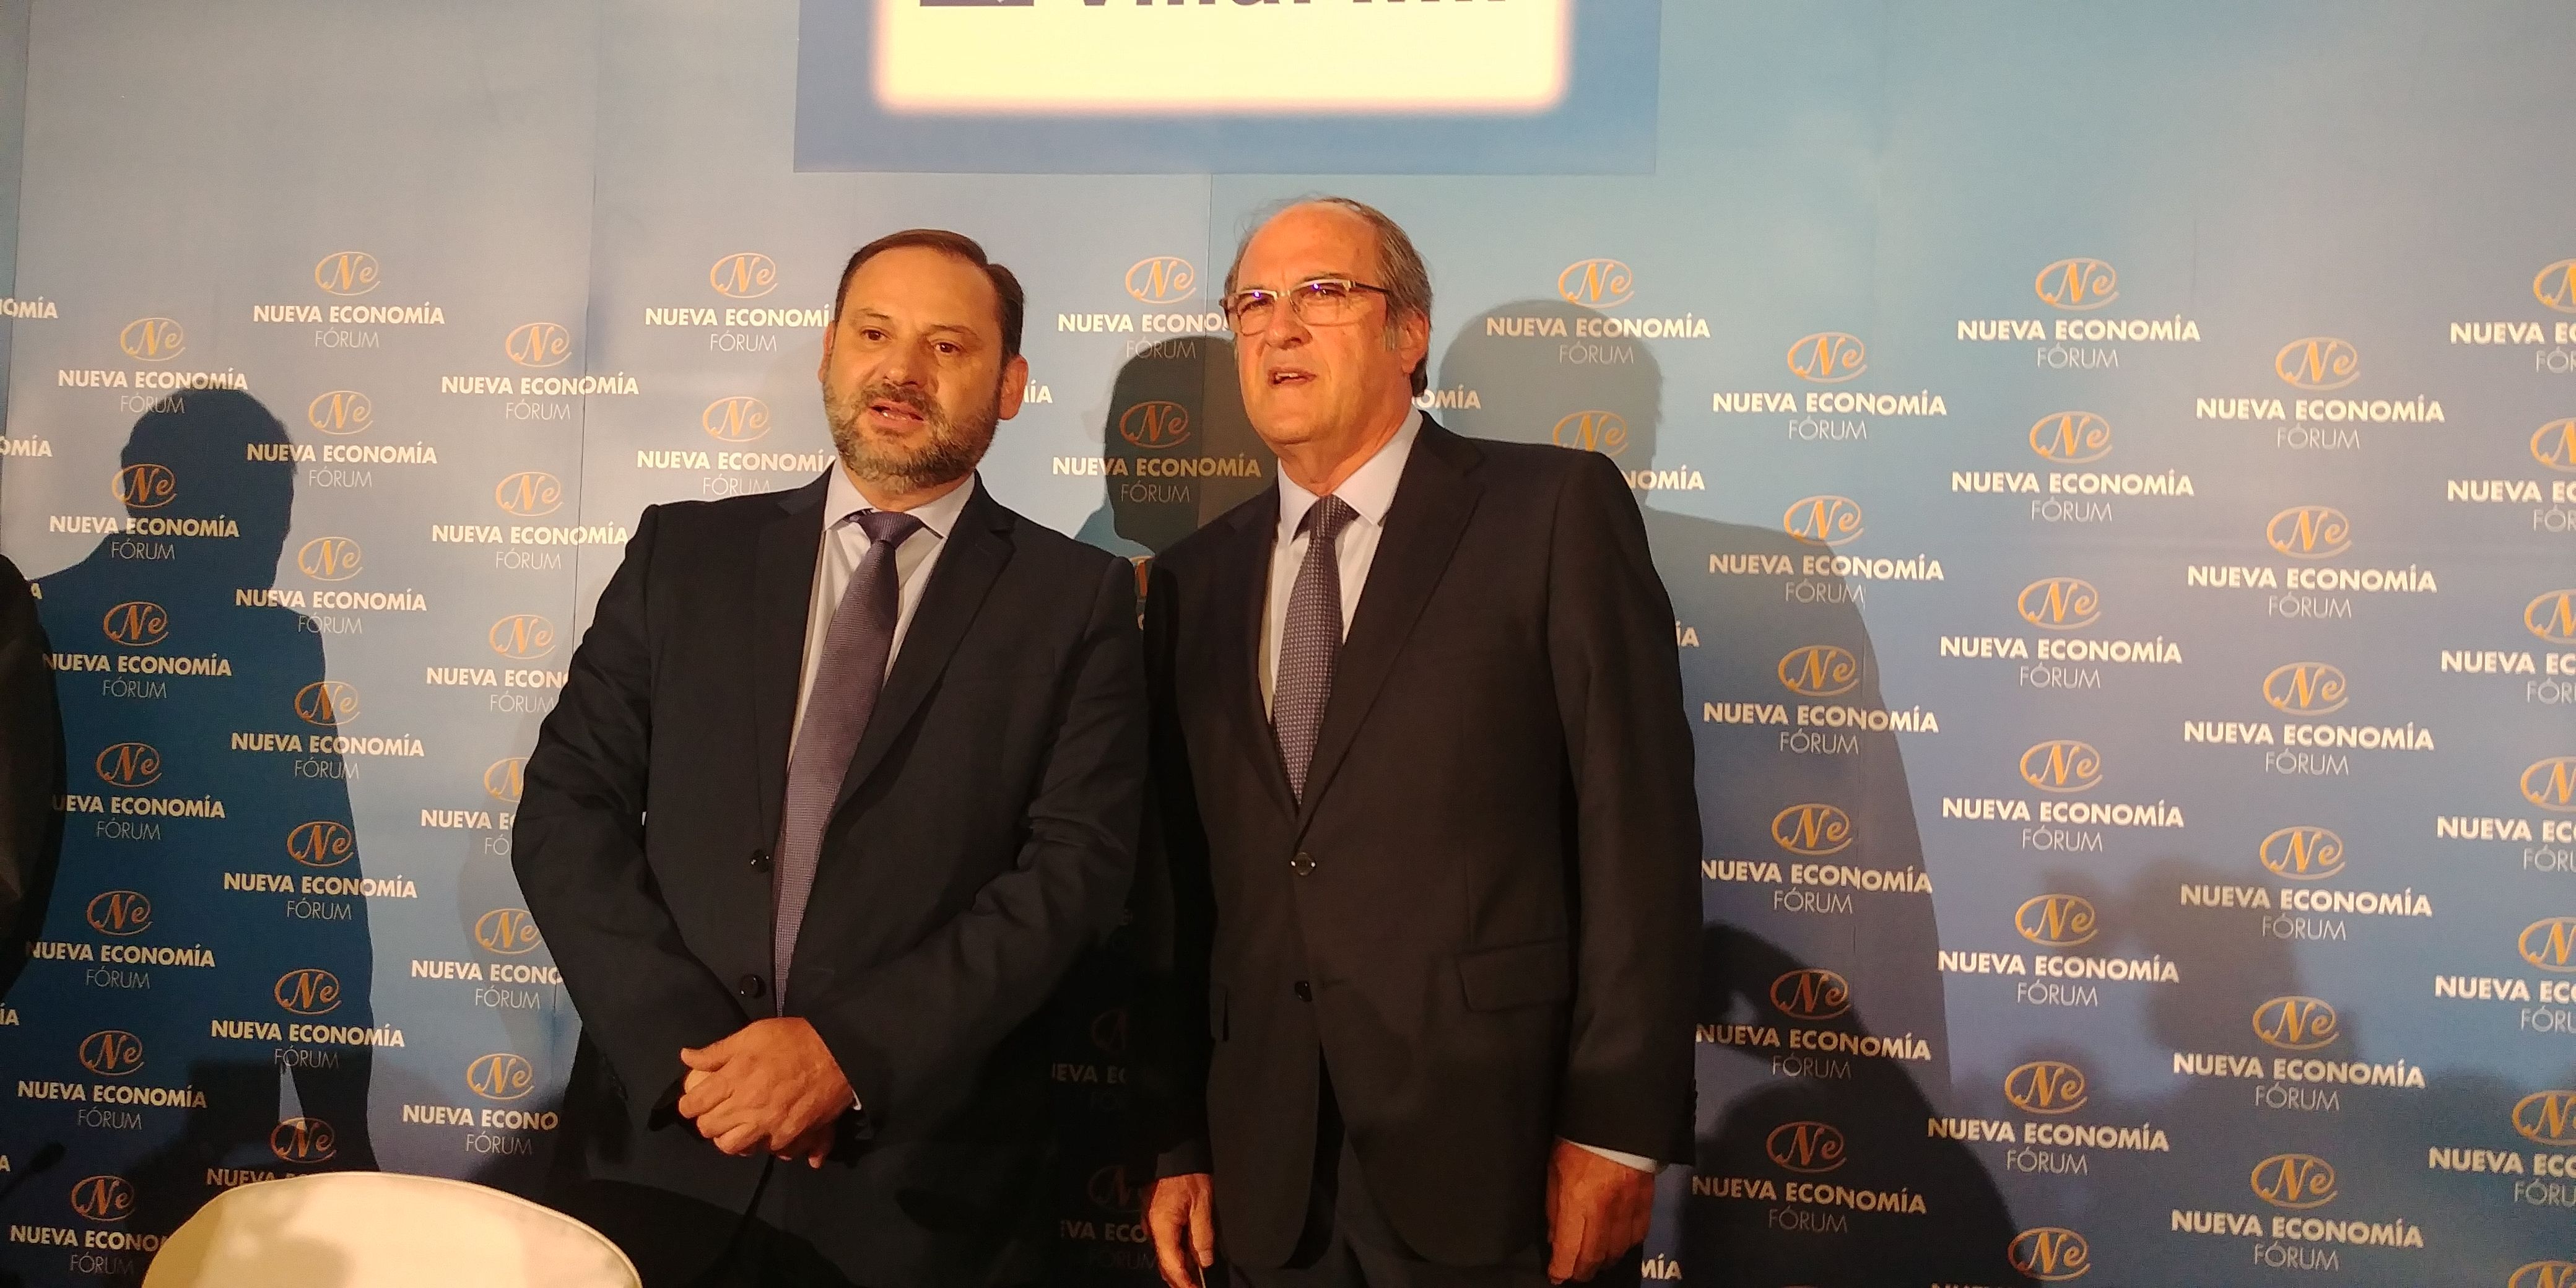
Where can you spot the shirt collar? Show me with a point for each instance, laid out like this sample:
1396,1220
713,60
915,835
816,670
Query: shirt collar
841,499
1370,489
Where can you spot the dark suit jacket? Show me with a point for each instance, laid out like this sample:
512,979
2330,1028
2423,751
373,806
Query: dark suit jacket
1490,892
984,834
31,770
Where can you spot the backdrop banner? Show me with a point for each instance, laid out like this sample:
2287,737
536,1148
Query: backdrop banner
2114,468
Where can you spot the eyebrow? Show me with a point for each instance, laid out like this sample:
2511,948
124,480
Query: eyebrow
1309,279
961,328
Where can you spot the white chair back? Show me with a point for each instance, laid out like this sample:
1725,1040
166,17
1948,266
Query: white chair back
384,1230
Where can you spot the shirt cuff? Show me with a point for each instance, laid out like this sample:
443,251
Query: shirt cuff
1640,1162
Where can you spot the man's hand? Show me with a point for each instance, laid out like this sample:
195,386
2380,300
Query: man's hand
1596,1209
1182,1215
768,1088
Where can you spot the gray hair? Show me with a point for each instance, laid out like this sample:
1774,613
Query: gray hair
1408,283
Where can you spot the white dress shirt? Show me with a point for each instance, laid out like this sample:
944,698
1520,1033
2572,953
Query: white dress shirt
843,542
1369,491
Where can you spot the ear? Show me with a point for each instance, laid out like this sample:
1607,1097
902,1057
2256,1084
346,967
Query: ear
1015,386
1411,339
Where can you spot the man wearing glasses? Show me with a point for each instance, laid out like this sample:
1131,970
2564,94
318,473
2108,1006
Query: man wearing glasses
1427,823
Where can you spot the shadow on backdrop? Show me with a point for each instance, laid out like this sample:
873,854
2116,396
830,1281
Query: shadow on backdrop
166,649
1843,801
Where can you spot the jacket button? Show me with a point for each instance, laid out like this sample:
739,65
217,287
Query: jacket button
1302,864
751,986
1305,992
760,860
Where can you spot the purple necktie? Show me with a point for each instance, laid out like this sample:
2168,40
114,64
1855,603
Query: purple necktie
836,712
1309,641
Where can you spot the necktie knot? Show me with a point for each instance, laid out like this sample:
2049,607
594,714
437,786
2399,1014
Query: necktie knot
884,526
1326,518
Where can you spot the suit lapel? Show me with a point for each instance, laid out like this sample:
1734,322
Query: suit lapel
782,591
1432,503
976,550
1243,578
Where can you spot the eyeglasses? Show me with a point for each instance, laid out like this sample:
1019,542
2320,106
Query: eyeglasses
1321,302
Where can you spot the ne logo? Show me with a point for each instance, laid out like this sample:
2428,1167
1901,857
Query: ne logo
2554,444
1828,357
522,637
2551,615
129,764
136,623
2548,1117
2077,284
2059,603
1819,670
1596,283
119,912
2050,1253
2046,1087
2309,532
2306,688
2544,1274
738,419
507,931
2302,853
502,1075
1109,1032
1605,432
2294,1181
743,275
2057,920
152,339
2549,943
145,486
538,344
345,272
501,778
2062,765
103,1198
1162,279
1111,1191
2318,362
2296,1023
321,843
303,1140
115,1053
1811,993
1811,830
341,411
309,990
327,703
2071,437
1809,1147
2551,784
1825,520
529,494
1155,426
330,559
2555,286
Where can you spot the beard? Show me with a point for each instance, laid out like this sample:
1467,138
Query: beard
951,450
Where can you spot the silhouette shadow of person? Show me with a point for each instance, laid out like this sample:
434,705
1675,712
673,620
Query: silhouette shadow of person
1758,636
218,961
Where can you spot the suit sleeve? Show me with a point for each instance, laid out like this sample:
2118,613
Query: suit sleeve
31,764
578,849
1176,924
1628,1069
992,966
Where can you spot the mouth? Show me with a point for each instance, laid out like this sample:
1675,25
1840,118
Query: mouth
1282,377
895,413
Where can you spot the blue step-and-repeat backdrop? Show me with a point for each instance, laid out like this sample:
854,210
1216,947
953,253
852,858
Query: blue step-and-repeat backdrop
2114,466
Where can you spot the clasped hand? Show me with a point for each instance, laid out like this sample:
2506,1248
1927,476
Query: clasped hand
772,1086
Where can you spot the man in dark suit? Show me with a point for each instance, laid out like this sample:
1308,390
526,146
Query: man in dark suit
1424,793
31,769
842,780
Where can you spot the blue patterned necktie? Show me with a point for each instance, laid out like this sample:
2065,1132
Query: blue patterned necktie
1310,641
853,669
